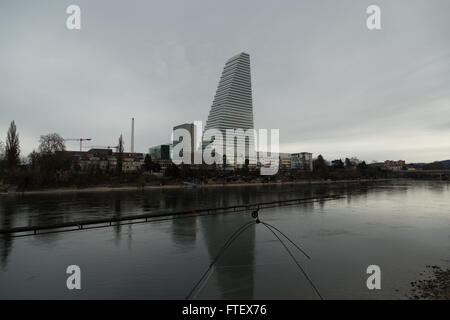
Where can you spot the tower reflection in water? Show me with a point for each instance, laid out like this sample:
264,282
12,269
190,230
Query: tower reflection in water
232,275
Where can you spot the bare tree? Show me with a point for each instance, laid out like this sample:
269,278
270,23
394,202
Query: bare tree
12,149
2,150
121,143
2,156
34,159
120,155
51,143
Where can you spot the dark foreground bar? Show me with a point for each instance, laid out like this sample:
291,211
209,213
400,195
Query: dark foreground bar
246,309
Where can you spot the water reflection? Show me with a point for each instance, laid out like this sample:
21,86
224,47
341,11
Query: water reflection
184,232
60,208
404,225
117,214
232,276
7,215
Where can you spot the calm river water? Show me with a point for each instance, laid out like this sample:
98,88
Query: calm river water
401,226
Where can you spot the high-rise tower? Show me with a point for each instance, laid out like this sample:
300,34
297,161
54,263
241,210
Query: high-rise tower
232,107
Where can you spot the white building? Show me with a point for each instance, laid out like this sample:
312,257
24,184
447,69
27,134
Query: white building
302,161
232,107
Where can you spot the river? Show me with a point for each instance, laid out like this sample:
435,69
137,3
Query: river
400,226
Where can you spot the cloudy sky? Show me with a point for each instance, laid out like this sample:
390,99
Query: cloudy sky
329,84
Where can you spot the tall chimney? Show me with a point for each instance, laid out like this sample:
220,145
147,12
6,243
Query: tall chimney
132,135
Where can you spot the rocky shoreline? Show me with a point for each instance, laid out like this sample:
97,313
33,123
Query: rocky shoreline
435,287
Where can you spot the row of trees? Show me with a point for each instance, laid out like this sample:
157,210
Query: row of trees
350,168
10,151
51,166
46,166
347,169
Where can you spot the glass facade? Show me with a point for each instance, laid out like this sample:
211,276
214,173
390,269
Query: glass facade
161,152
232,107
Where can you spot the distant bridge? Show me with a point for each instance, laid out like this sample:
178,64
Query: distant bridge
418,174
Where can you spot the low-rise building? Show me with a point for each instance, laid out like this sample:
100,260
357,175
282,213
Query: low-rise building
394,165
164,164
105,160
131,164
302,161
285,160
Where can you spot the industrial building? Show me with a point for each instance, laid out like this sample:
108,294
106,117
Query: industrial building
105,160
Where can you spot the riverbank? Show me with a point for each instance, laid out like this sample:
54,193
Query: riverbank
181,186
435,287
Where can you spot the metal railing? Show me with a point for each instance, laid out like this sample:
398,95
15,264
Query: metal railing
152,217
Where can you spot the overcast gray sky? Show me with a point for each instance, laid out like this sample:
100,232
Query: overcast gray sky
318,74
